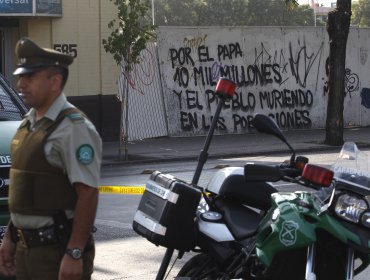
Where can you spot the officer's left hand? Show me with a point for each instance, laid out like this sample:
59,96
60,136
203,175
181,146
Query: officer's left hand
7,259
70,269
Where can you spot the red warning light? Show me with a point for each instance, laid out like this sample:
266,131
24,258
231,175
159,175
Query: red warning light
317,175
225,87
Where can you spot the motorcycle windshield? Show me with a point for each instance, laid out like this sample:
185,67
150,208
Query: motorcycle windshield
352,166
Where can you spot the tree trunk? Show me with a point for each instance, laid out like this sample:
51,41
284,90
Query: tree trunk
338,28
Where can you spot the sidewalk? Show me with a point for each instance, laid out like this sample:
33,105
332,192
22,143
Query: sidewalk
222,146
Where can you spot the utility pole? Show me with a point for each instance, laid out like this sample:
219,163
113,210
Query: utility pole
153,11
313,4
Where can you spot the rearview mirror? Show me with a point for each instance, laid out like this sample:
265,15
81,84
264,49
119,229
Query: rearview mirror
265,124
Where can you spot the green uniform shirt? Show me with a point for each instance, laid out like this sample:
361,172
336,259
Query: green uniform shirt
74,146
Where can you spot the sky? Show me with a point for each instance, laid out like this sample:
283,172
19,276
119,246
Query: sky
325,2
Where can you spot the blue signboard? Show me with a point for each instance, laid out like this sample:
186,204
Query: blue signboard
49,7
16,6
31,7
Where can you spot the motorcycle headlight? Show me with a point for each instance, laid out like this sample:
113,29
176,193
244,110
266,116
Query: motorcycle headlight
350,208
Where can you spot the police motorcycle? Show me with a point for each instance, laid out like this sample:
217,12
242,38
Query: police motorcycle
320,234
248,230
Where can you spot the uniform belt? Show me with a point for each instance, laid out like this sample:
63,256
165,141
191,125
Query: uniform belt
42,236
36,237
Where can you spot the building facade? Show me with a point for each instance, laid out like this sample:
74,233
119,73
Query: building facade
77,28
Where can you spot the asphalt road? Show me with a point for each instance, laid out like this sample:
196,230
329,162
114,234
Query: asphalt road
121,253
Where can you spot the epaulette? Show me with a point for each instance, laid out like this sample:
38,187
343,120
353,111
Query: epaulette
24,122
76,117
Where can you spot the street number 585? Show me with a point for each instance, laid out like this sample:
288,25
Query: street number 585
70,49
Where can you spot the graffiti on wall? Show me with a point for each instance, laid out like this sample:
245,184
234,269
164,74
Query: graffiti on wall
273,81
141,75
351,81
280,72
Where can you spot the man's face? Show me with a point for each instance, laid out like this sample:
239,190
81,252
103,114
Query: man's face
39,88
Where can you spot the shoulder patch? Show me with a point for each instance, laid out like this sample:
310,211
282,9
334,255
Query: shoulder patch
75,117
85,154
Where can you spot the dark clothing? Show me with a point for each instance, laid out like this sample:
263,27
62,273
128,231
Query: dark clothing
42,262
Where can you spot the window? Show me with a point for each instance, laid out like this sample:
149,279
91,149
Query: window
12,107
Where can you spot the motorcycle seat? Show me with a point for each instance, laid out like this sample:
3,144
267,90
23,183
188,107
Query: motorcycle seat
254,194
241,220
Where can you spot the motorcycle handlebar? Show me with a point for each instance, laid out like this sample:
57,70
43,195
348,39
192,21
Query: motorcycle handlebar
269,173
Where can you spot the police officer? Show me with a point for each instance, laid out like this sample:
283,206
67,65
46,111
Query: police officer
56,157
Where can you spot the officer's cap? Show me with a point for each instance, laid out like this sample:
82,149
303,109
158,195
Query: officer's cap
32,58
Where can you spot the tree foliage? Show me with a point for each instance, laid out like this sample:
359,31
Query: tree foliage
130,31
177,13
275,13
232,13
361,13
224,13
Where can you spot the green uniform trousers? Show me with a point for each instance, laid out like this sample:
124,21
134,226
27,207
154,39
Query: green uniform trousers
42,262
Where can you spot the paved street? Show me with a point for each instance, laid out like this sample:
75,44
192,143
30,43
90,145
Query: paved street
132,258
121,254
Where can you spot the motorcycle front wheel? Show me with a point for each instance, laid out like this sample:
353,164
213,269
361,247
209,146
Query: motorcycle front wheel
199,267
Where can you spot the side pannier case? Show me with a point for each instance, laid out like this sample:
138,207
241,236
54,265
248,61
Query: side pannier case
166,212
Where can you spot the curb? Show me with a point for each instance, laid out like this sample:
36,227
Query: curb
107,163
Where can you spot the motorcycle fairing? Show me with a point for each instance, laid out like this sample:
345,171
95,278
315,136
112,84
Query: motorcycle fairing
214,230
215,184
292,222
364,235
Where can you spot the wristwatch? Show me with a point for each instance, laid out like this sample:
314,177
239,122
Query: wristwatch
74,253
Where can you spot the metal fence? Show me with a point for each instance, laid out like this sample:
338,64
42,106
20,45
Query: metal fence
140,91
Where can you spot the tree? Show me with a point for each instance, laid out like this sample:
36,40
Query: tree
232,13
224,13
275,13
178,13
338,28
361,13
129,34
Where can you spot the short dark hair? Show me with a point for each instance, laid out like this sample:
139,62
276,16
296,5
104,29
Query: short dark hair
54,70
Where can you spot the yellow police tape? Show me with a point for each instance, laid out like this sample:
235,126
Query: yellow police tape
122,189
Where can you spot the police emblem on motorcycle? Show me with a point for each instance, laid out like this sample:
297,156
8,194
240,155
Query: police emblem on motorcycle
288,233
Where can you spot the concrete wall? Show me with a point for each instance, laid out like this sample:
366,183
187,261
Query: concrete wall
279,71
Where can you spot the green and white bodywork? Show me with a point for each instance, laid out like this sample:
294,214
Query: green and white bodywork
293,222
7,131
